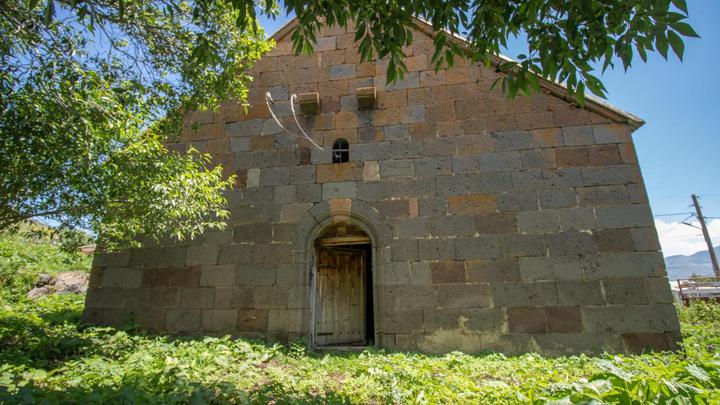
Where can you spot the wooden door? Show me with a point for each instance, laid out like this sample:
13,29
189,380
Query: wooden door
340,297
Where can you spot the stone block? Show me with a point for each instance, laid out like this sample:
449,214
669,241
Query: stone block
630,318
599,196
219,320
234,297
344,189
413,114
472,204
255,275
164,297
551,268
436,249
396,273
396,132
183,320
121,278
621,291
538,159
398,297
658,290
610,175
302,175
390,169
614,240
492,270
524,294
402,321
420,273
557,198
516,245
448,185
182,276
651,342
538,221
435,319
489,182
202,255
271,297
483,319
526,320
252,320
246,128
604,155
646,239
465,164
518,201
580,292
405,249
505,141
576,219
369,151
411,228
611,133
578,136
562,177
217,276
464,296
294,212
643,264
479,247
350,171
115,259
451,226
499,161
156,257
573,157
274,176
629,216
197,297
236,254
448,272
564,319
570,243
496,223
430,167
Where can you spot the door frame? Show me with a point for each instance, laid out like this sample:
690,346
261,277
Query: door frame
371,267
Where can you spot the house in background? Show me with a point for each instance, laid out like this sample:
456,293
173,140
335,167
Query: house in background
439,216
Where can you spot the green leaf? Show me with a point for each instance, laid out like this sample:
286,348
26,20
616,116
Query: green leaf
676,43
684,29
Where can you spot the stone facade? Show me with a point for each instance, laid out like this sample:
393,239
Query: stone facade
502,225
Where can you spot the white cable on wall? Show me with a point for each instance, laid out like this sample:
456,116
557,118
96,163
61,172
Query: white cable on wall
269,100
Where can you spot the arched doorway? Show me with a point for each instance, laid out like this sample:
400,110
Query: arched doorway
342,311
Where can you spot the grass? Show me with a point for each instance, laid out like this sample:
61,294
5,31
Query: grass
46,357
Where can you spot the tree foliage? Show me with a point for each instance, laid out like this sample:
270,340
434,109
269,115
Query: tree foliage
91,92
565,38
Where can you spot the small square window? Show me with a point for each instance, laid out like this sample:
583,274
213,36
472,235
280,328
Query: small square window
340,151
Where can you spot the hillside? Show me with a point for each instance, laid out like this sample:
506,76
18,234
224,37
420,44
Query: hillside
680,266
46,356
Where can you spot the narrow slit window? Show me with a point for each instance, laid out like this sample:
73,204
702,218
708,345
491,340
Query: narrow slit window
340,151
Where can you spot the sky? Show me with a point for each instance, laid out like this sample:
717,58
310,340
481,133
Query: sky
678,146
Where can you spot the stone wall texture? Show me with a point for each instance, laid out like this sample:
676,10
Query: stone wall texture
510,225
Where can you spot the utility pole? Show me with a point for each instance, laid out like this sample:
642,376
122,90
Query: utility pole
711,249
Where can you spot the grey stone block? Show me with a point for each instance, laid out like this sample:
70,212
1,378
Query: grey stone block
240,144
576,218
538,159
451,185
255,275
603,195
578,136
255,232
580,292
480,247
565,177
451,226
373,191
433,147
430,167
515,245
246,128
183,320
610,265
551,268
202,255
219,320
217,276
302,174
610,175
624,217
499,161
433,206
436,249
538,221
115,277
413,114
235,254
489,182
622,291
404,250
360,152
274,176
396,133
410,228
557,198
396,169
338,72
570,243
658,290
284,194
345,189
409,81
630,318
465,164
464,296
505,141
524,180
309,193
270,127
405,149
518,201
524,294
279,92
406,188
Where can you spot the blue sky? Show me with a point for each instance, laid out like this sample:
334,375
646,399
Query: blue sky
679,144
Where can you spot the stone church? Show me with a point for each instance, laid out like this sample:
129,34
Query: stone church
434,214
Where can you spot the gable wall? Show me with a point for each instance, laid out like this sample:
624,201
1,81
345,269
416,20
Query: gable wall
500,225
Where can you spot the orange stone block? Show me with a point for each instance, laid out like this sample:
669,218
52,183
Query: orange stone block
472,204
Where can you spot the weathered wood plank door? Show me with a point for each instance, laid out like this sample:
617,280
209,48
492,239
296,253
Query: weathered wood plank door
340,297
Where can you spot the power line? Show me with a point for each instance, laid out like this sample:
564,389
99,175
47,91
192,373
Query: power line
673,215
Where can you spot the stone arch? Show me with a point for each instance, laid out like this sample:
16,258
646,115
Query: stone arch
325,214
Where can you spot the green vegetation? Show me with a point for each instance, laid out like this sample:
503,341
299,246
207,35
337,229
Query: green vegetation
46,357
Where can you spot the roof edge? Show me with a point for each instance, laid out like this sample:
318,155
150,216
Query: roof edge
559,90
